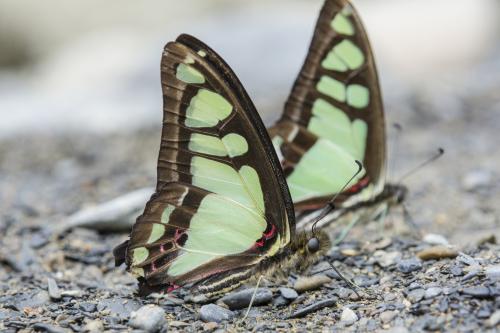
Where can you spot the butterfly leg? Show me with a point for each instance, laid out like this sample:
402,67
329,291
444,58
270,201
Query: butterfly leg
253,298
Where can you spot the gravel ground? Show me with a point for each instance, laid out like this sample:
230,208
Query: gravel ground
57,279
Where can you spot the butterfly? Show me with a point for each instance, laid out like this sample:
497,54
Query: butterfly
222,213
334,115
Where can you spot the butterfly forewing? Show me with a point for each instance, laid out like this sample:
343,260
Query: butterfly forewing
333,115
221,201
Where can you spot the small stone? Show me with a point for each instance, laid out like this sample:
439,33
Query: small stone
289,293
310,282
215,313
302,312
435,239
210,326
389,297
348,317
437,252
388,316
493,272
94,326
409,265
72,293
349,252
432,292
386,259
87,307
483,313
416,295
456,270
280,301
494,320
241,299
477,292
466,259
397,329
476,179
49,328
150,318
53,289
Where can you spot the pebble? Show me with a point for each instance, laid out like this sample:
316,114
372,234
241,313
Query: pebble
31,300
437,252
87,307
150,318
210,326
416,295
348,317
476,179
477,291
388,316
386,259
493,272
397,329
280,301
215,313
432,292
467,259
241,299
49,328
289,293
94,326
494,319
120,307
409,265
313,307
310,282
435,239
53,289
118,214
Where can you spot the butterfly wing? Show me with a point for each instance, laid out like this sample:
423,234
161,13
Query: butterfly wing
333,116
221,201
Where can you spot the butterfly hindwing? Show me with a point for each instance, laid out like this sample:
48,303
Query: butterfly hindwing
333,115
221,201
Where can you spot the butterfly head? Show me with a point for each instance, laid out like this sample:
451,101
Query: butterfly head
396,193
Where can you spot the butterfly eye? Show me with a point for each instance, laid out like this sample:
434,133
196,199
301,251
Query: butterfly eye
313,245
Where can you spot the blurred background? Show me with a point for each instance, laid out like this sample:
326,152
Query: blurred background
80,96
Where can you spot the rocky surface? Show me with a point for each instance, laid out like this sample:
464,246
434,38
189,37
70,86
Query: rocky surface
62,212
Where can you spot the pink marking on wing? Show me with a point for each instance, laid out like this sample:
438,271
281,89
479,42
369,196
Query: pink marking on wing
172,287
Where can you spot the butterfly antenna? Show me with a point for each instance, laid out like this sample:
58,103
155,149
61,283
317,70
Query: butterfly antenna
431,159
395,146
409,219
330,206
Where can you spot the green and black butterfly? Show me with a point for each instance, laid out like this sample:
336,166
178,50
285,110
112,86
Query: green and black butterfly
334,115
222,213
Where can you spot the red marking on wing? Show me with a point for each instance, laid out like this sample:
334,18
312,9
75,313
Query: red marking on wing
359,185
172,287
265,236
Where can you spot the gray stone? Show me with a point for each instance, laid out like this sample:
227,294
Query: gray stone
120,307
435,239
388,316
241,299
432,292
53,289
386,259
32,300
87,307
215,313
409,265
348,317
50,328
477,292
494,320
416,295
150,318
493,272
289,293
118,214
